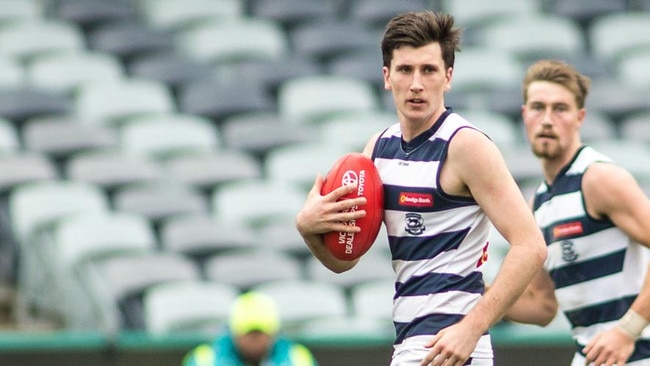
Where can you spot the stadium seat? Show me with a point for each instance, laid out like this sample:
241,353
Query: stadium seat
89,14
282,236
259,133
352,131
25,40
374,299
21,11
160,200
220,99
534,36
632,70
478,69
373,266
597,126
130,39
309,99
12,72
115,287
376,17
193,307
24,167
33,209
302,301
113,102
205,171
292,13
616,99
324,39
61,137
85,237
271,73
10,140
165,136
614,36
636,127
201,236
246,269
366,64
633,155
63,73
585,11
177,15
111,169
240,38
23,103
173,69
256,202
296,165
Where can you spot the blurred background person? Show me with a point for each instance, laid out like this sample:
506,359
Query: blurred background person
251,339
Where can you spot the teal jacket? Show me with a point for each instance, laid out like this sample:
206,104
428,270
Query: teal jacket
222,352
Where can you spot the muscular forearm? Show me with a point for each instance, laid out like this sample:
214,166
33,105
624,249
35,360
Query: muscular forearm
519,267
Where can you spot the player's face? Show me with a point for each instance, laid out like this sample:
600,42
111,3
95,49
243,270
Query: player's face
254,346
418,79
552,120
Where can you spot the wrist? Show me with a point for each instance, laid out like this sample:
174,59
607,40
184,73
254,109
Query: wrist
632,323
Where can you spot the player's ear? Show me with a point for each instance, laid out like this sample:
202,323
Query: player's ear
386,72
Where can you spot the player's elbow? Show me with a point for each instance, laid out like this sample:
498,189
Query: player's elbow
548,313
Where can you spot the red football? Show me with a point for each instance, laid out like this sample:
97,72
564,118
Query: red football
359,169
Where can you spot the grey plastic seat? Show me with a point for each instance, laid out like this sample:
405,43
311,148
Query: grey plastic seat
26,40
130,39
194,307
201,236
177,15
613,36
247,269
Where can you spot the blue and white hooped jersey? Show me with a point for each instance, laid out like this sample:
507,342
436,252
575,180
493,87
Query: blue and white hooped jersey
437,241
597,269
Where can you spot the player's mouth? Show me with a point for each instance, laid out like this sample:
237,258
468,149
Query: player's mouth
415,101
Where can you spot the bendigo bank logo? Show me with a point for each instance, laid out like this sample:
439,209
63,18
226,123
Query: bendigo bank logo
567,230
415,199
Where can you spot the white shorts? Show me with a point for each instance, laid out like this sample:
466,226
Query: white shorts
411,352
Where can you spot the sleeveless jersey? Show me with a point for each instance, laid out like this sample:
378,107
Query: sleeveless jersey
437,241
597,269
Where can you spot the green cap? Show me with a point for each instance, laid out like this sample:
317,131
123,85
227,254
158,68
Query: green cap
254,312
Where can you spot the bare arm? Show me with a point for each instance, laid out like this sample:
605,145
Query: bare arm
475,166
612,192
480,166
538,304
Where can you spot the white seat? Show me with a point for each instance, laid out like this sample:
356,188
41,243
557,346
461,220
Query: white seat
474,13
352,131
534,36
636,127
65,72
26,40
372,266
296,165
9,137
20,11
25,167
115,287
614,36
632,69
201,236
239,38
179,14
309,99
256,202
191,306
12,73
113,101
633,155
301,301
249,268
482,68
374,299
167,135
206,171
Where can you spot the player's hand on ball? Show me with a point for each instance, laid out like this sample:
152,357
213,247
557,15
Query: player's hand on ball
324,213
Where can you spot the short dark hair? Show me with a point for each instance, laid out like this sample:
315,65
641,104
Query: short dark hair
417,29
559,72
